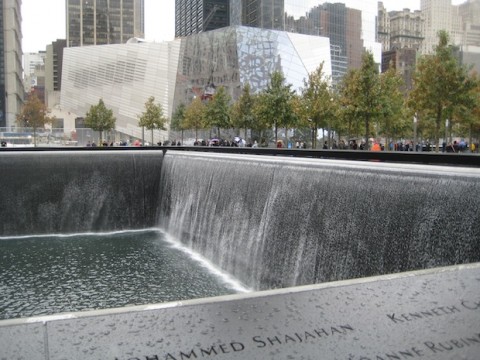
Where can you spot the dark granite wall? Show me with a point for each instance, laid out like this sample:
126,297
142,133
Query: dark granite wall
81,191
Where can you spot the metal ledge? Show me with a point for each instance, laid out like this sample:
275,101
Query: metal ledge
449,159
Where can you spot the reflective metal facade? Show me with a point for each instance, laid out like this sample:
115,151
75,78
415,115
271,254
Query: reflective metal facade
99,22
125,76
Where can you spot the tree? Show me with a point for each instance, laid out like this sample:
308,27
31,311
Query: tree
391,117
217,110
319,102
348,91
360,97
100,119
275,107
242,115
303,124
34,114
468,113
368,99
152,118
195,116
178,119
440,85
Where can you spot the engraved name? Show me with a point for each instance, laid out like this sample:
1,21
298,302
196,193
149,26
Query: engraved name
433,312
426,349
258,341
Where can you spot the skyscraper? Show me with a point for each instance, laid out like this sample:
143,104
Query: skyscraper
11,87
100,22
53,65
196,16
30,62
439,15
265,14
470,15
341,25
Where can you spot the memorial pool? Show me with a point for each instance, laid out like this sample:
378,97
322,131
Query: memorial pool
45,275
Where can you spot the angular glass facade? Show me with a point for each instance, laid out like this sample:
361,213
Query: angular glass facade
350,24
125,76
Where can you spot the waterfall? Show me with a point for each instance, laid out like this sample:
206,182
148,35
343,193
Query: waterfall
269,221
281,221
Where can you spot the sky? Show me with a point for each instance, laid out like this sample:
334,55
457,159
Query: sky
43,21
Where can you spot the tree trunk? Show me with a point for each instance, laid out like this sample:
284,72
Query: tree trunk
437,129
470,138
276,138
367,125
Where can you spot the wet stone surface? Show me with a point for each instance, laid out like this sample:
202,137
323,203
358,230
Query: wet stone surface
424,315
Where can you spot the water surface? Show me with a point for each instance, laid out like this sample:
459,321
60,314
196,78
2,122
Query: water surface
53,274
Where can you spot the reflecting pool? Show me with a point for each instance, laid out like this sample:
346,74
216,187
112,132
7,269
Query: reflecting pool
53,274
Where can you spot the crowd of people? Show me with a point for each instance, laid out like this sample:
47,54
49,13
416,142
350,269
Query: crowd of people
454,147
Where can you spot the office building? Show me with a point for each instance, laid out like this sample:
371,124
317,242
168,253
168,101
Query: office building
31,61
469,13
53,64
53,72
439,15
196,16
404,62
383,27
11,85
265,14
100,22
341,25
406,29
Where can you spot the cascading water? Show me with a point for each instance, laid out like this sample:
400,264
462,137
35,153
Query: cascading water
77,233
276,222
268,221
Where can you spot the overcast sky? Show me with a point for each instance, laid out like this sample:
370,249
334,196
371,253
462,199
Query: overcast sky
44,20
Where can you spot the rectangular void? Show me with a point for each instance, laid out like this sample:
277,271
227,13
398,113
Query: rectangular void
428,314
